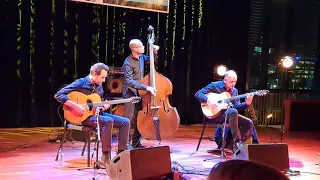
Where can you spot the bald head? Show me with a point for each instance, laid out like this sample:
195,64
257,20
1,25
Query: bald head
230,73
230,79
136,47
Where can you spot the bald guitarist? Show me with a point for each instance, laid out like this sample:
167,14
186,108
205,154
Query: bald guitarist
234,120
89,85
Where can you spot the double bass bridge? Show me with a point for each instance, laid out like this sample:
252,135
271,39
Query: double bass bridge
155,107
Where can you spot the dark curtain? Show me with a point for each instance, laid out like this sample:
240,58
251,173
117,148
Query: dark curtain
50,43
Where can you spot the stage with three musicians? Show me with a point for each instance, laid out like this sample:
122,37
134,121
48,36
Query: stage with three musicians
135,90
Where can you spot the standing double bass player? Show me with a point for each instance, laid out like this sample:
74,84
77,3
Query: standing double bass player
155,118
133,68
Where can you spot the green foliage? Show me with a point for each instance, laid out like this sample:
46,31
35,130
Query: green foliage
96,35
32,38
118,38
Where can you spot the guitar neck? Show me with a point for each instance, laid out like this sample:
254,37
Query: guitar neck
240,96
118,101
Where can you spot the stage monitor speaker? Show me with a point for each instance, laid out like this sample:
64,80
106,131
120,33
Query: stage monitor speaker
272,155
143,163
114,82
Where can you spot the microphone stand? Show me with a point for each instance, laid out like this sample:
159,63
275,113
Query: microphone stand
223,139
97,164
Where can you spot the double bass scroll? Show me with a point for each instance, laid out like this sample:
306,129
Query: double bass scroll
158,119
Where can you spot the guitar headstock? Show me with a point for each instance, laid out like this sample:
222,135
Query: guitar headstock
262,92
135,99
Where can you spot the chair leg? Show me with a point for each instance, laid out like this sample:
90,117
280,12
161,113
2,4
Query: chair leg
84,147
88,150
63,139
203,128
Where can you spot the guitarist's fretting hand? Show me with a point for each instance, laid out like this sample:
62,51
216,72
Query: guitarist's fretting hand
106,107
249,99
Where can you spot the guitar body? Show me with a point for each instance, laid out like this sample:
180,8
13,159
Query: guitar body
82,99
221,99
211,113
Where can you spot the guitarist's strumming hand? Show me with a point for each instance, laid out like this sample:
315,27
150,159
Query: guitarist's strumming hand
249,99
78,110
211,103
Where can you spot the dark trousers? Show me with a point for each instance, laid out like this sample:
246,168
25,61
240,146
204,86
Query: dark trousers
240,126
107,122
228,137
131,112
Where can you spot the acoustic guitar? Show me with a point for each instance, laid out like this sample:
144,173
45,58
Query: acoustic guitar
89,103
221,102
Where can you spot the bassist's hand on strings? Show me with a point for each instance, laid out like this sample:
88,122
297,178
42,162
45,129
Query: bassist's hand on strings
155,48
152,90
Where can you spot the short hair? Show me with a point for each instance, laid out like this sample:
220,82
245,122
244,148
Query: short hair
133,42
97,68
230,73
241,169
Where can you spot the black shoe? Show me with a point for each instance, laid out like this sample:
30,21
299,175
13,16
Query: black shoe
213,150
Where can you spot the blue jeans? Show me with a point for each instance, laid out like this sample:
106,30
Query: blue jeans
240,126
218,136
107,122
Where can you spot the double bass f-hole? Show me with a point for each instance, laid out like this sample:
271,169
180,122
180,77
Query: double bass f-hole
164,106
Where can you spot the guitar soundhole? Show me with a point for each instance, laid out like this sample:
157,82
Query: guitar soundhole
90,106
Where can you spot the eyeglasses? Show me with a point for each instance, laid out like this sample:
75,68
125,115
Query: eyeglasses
139,46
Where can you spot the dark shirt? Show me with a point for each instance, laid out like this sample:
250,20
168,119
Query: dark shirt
82,85
133,70
219,87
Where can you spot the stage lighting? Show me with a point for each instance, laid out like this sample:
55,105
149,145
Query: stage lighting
287,62
221,70
269,116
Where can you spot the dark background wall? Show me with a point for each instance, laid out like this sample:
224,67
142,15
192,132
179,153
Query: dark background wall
46,44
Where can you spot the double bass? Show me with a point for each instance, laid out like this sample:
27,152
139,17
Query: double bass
157,119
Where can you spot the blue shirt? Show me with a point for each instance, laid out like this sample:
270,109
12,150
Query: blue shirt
82,85
219,87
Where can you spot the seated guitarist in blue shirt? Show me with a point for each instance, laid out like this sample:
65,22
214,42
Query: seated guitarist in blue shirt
233,118
93,84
